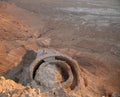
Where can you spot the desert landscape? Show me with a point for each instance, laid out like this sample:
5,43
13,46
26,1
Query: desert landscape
86,30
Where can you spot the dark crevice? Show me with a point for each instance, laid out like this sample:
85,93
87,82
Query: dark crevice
36,67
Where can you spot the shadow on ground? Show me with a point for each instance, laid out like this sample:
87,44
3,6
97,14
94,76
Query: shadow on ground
20,74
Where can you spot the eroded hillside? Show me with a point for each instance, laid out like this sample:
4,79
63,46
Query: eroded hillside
90,37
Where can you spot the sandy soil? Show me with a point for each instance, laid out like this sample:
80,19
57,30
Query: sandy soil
87,30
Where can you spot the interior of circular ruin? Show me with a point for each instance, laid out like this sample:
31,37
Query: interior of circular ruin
68,68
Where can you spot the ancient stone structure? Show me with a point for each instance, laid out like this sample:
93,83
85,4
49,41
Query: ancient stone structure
52,70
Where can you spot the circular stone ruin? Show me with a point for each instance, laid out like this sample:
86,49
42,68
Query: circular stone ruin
52,70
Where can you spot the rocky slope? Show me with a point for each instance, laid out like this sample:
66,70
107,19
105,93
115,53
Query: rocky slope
9,88
93,40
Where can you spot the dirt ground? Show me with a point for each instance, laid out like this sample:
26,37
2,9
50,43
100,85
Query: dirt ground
87,30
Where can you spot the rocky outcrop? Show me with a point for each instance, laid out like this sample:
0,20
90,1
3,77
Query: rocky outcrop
9,88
